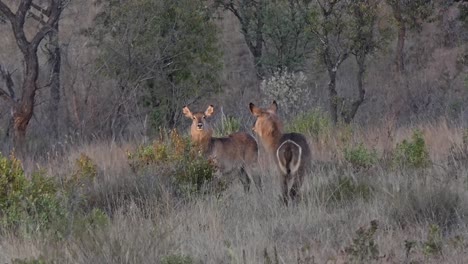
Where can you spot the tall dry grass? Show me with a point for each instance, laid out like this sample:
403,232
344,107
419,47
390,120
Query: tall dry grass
148,223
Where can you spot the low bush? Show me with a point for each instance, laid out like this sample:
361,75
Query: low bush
96,218
228,125
364,249
412,153
39,260
433,245
85,172
344,189
148,155
314,123
177,259
360,157
30,204
175,157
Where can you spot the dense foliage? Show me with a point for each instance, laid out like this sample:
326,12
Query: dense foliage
167,50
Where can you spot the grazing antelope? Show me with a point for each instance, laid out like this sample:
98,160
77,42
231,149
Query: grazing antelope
237,152
290,151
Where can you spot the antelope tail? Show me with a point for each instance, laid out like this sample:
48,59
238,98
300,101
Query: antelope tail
289,155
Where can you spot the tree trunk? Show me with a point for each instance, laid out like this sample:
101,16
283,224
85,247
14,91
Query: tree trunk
361,59
258,52
24,111
254,41
19,135
55,60
400,56
333,95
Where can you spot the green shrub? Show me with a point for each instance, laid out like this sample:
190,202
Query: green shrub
409,245
179,159
32,205
12,182
412,153
360,157
314,123
164,150
344,189
345,133
465,138
77,186
39,260
177,259
89,221
85,172
364,249
274,258
463,14
433,245
147,155
192,174
229,125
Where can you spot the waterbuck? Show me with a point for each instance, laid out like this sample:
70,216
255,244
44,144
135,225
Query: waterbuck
238,152
290,152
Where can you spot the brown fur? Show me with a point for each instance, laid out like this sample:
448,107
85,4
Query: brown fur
237,152
290,152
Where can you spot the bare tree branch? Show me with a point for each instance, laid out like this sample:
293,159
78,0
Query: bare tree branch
38,19
56,9
43,11
7,12
6,76
7,98
17,22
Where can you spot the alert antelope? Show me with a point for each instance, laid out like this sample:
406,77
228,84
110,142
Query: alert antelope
290,152
237,152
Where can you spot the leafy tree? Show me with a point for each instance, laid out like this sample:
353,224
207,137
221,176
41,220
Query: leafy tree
365,41
274,31
343,29
409,15
287,42
329,22
250,14
167,50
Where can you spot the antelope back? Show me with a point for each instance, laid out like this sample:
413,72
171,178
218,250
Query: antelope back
235,150
289,149
289,156
295,147
290,152
231,151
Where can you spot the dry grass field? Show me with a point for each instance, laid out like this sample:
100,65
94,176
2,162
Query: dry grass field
391,187
362,203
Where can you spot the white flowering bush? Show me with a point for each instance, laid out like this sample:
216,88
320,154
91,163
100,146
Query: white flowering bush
289,89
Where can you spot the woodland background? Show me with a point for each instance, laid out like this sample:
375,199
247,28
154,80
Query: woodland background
126,69
96,165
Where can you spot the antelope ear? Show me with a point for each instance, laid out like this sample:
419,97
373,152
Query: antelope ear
255,110
209,111
187,112
273,107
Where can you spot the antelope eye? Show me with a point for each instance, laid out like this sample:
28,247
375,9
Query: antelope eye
193,118
204,117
